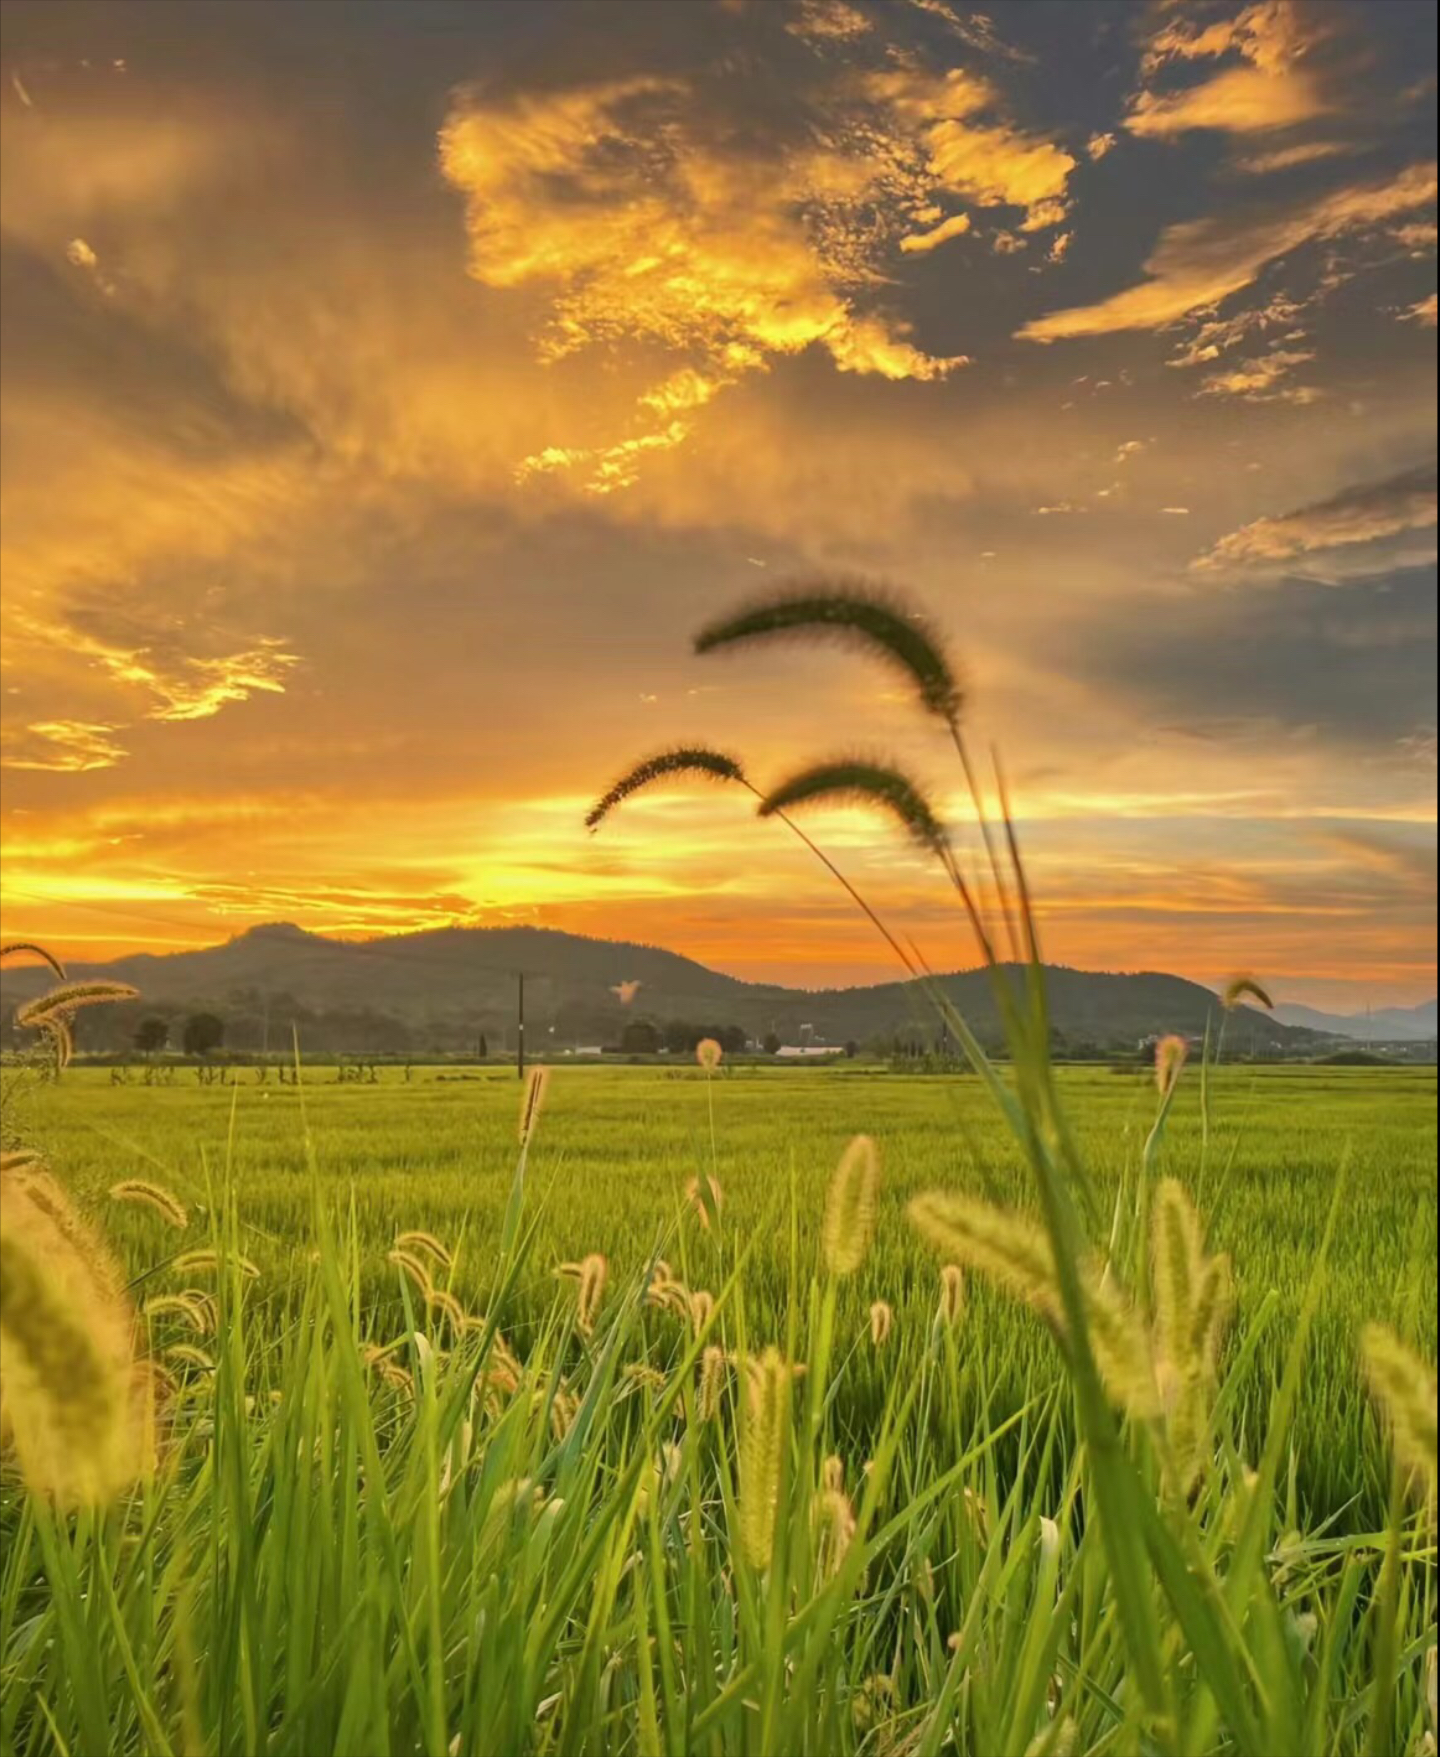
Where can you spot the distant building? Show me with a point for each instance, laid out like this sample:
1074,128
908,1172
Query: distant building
809,1049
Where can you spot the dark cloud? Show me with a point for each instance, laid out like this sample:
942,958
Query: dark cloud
1357,671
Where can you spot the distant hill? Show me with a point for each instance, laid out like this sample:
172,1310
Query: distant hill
440,989
1384,1025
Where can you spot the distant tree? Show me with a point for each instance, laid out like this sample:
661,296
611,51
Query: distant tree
152,1034
203,1032
771,1045
852,1049
484,1046
640,1037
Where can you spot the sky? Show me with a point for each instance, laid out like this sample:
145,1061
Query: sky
391,390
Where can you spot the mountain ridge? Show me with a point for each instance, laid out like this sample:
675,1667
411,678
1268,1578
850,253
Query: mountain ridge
442,987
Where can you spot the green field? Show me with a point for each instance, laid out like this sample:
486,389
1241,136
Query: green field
618,1145
616,1613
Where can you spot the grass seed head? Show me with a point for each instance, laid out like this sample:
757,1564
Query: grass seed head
1245,987
764,1436
685,762
833,1520
882,1321
415,1269
706,1198
714,1367
850,1207
708,1053
855,613
952,1294
426,1242
72,1401
450,1308
594,1272
1170,1055
537,1083
154,1196
1404,1387
846,781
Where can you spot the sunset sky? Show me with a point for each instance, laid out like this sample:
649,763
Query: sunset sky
391,389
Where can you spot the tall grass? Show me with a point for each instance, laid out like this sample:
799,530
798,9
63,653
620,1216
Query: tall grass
650,1525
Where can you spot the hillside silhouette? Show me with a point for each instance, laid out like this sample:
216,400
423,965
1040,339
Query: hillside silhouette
443,987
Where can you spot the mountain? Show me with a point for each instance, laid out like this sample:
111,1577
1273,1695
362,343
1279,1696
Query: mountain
440,989
1383,1025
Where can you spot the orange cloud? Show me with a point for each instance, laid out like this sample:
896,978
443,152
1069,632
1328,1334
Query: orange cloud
70,747
1334,539
1204,262
1272,89
645,220
1261,380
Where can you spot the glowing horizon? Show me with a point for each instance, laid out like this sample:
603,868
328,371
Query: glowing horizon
379,428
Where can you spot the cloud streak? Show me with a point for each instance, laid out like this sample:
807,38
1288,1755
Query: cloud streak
1362,531
1204,262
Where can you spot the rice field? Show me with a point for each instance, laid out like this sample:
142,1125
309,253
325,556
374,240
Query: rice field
631,1448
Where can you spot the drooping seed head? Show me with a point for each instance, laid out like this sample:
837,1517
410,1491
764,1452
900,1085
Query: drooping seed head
426,1242
1013,1251
16,947
856,613
66,1000
413,1267
686,762
863,781
882,1321
152,1195
702,1308
187,1355
449,1308
707,1199
850,1206
207,1261
952,1295
1239,987
708,1053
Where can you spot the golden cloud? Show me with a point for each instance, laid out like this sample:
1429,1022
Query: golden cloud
1342,538
1271,90
1203,262
645,219
71,747
1261,380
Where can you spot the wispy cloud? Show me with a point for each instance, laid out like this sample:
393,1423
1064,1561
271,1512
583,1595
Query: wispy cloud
1365,530
1204,262
70,747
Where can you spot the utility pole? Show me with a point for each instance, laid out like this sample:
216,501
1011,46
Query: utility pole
520,1024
